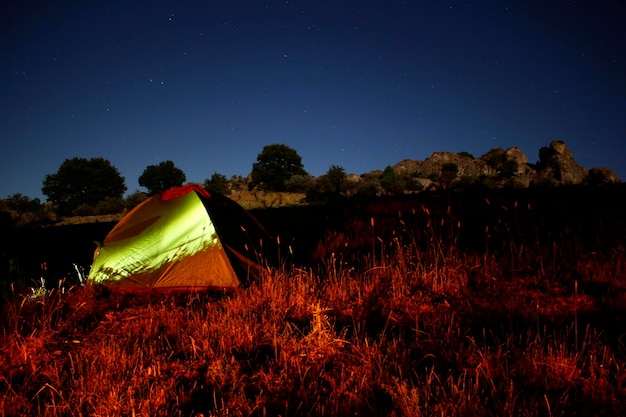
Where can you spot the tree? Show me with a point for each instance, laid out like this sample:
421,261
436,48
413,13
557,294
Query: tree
336,177
392,182
276,164
328,186
81,181
218,183
157,178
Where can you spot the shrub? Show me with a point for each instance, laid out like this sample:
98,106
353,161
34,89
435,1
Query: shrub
135,198
392,182
110,205
218,183
83,209
299,183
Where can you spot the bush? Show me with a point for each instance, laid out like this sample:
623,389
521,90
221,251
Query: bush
299,183
218,183
238,183
83,209
110,205
392,182
368,188
20,210
135,198
329,186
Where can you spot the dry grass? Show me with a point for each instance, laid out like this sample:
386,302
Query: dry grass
103,218
264,199
394,320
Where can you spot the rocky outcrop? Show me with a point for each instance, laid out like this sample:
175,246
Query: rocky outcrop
432,167
499,167
406,167
516,155
601,176
467,166
488,165
557,166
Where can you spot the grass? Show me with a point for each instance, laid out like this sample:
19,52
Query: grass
264,199
403,313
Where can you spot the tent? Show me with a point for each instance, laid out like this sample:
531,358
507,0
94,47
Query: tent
182,239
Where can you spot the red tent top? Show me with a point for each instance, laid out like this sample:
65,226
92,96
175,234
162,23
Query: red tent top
176,192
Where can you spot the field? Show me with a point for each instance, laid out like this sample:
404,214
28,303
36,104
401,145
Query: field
501,303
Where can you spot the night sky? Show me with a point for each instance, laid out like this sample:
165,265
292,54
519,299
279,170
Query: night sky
359,84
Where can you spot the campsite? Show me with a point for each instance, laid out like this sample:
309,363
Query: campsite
499,302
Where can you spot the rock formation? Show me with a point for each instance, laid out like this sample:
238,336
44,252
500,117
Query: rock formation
557,166
600,176
499,167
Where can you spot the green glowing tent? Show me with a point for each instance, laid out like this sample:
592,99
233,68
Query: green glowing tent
182,239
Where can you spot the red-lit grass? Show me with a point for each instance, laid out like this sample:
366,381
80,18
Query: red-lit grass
393,320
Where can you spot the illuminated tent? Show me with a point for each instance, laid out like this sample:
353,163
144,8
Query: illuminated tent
184,238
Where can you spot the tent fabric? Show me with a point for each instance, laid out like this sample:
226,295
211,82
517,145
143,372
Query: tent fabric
184,238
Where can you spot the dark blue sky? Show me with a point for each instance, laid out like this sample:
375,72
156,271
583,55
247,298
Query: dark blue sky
359,84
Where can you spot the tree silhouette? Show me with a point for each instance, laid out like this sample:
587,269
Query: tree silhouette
329,186
392,182
158,178
81,181
218,183
276,164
